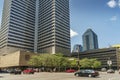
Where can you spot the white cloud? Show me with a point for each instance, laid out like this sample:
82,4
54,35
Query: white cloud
112,3
114,18
73,33
119,3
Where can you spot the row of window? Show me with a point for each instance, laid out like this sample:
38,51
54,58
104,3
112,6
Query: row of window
22,47
29,27
21,35
29,18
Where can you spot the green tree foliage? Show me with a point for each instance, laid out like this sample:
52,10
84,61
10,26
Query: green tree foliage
85,63
59,61
97,64
50,60
90,63
73,62
35,61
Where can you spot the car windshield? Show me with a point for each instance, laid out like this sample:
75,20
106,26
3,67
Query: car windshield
87,71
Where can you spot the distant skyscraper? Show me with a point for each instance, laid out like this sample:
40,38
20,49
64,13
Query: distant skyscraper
90,40
36,25
77,48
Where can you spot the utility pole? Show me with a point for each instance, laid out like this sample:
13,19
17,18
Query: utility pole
78,63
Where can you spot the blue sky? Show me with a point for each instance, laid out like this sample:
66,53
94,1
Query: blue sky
102,16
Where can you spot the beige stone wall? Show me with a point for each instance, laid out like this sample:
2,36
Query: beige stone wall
17,58
24,58
10,59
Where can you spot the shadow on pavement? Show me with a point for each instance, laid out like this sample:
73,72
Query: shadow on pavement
1,76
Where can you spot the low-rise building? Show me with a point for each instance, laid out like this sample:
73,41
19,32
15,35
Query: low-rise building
16,59
102,55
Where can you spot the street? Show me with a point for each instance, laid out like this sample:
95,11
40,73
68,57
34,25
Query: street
58,76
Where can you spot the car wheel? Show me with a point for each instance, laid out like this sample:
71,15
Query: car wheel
76,75
89,75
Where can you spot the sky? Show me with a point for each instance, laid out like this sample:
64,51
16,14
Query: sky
102,16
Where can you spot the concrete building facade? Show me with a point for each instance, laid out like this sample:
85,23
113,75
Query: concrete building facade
54,27
17,59
35,25
102,55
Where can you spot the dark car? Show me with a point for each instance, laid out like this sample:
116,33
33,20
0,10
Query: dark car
28,71
15,71
110,71
70,70
87,73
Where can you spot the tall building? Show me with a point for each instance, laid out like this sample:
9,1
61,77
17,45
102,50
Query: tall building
18,25
90,40
35,25
54,28
77,48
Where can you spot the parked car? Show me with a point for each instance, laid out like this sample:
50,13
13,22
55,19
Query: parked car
3,71
103,69
119,71
87,73
110,71
14,71
70,70
28,71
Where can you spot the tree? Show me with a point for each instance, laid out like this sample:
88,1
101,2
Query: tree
96,64
85,63
59,61
49,60
72,62
35,61
90,63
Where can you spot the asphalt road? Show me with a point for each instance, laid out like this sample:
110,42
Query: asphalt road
58,76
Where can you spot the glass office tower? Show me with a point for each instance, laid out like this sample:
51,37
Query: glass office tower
36,25
90,40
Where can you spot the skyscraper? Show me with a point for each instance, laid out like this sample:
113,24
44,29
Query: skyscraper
54,30
77,48
36,25
90,40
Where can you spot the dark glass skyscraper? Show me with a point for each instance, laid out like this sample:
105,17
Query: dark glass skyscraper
90,40
35,25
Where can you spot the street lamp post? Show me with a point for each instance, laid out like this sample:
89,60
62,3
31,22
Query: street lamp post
109,62
78,63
